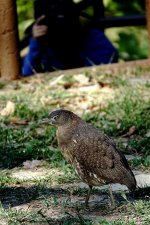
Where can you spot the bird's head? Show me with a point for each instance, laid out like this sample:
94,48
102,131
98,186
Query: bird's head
59,117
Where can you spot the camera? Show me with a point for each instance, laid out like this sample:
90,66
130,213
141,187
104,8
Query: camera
57,13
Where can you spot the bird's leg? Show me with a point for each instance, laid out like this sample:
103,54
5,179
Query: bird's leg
111,197
88,196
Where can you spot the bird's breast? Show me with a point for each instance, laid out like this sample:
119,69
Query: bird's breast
67,154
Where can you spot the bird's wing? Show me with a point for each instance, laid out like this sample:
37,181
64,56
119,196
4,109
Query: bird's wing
98,154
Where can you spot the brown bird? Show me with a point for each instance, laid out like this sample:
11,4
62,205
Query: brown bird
93,154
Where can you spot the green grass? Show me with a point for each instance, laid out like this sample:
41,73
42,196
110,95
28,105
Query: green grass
141,145
131,214
142,162
18,144
126,110
22,138
2,85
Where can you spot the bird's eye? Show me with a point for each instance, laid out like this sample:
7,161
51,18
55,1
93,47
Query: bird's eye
55,117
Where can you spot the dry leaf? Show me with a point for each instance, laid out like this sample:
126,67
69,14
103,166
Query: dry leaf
89,89
103,84
130,132
82,79
8,110
17,121
67,85
56,80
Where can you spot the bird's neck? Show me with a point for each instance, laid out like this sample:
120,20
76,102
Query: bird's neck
65,132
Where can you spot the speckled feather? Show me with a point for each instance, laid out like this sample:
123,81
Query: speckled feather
93,154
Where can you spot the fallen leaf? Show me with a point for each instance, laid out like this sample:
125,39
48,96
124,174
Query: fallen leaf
103,84
8,110
82,79
130,132
89,89
67,85
17,121
56,80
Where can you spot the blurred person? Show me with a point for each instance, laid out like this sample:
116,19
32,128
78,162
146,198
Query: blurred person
60,41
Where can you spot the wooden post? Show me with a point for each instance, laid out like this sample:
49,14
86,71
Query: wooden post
148,21
9,51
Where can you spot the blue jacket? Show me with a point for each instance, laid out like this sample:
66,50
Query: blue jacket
96,49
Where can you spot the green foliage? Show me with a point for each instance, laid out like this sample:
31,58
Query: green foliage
24,9
25,15
131,42
2,85
131,45
122,8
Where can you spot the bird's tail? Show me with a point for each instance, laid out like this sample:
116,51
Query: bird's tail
131,181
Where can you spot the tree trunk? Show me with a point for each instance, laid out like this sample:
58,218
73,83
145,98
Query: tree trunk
148,21
9,48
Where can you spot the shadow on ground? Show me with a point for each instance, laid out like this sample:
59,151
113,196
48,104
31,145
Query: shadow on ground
16,196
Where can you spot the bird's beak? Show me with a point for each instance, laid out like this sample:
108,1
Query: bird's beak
45,121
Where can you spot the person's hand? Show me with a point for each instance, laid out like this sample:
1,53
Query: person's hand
39,30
